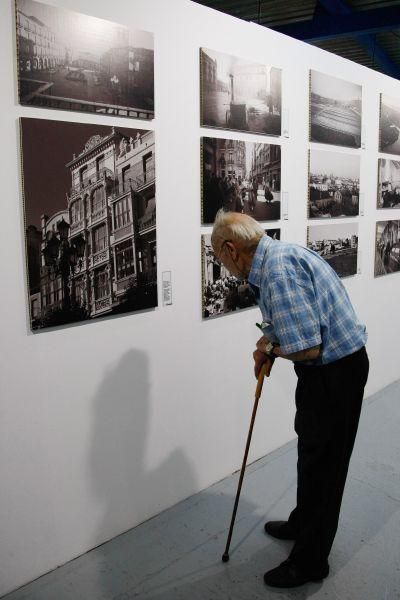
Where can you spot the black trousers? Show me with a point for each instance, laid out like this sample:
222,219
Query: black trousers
328,403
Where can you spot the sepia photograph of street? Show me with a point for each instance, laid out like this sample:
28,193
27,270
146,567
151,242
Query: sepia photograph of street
222,292
334,185
70,61
388,183
239,95
242,177
389,125
90,217
335,111
387,247
338,244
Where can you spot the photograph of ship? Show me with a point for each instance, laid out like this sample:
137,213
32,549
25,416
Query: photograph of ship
335,111
238,94
242,177
338,244
70,61
387,247
334,184
388,183
223,293
90,215
389,125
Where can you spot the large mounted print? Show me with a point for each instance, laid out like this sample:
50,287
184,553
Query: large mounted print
334,184
387,247
223,293
389,125
242,177
239,95
335,111
337,243
71,61
90,216
388,183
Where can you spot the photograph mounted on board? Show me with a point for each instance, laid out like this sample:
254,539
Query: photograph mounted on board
388,183
334,185
71,61
90,217
389,125
335,111
238,94
338,244
242,177
387,247
223,293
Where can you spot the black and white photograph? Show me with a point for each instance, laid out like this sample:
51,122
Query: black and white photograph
387,247
242,177
337,243
335,111
388,183
240,95
389,125
90,217
222,292
334,184
71,61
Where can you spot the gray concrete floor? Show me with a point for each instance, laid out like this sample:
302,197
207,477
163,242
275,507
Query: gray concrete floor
177,555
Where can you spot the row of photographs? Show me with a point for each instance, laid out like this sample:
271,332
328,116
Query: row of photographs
222,293
71,61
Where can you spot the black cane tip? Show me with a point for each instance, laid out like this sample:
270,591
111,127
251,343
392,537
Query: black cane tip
225,557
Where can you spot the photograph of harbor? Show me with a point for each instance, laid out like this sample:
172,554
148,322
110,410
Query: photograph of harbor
71,61
334,184
239,176
337,243
388,183
239,95
389,125
387,247
335,111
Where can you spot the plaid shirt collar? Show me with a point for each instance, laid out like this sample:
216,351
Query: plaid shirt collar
258,261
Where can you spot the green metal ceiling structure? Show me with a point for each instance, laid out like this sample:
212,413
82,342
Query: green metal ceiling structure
364,31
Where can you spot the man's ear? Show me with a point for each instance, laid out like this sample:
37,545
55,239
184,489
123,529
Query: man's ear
232,250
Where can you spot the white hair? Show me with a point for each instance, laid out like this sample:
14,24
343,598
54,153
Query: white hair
237,227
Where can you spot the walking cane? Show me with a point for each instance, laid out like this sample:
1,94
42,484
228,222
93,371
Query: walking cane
264,372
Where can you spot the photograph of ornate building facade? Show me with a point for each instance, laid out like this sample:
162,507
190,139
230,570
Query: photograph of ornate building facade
91,224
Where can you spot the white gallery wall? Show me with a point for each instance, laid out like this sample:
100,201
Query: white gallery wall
106,424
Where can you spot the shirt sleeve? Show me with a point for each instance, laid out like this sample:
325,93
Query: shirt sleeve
295,314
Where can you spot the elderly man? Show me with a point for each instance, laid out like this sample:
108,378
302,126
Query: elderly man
307,319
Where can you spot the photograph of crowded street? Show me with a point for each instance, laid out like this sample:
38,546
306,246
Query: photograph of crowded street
334,185
71,61
387,247
389,125
90,214
238,94
388,183
335,111
223,293
338,244
242,177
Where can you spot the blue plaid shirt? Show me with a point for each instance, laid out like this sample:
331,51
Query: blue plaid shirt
303,302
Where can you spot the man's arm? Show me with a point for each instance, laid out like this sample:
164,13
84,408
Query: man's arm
308,354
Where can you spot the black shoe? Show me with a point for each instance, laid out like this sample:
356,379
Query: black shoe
280,530
288,575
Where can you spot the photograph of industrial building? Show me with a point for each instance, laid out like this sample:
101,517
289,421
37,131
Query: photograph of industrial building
388,183
238,94
335,111
239,176
389,125
223,293
71,61
334,184
337,243
387,247
90,215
